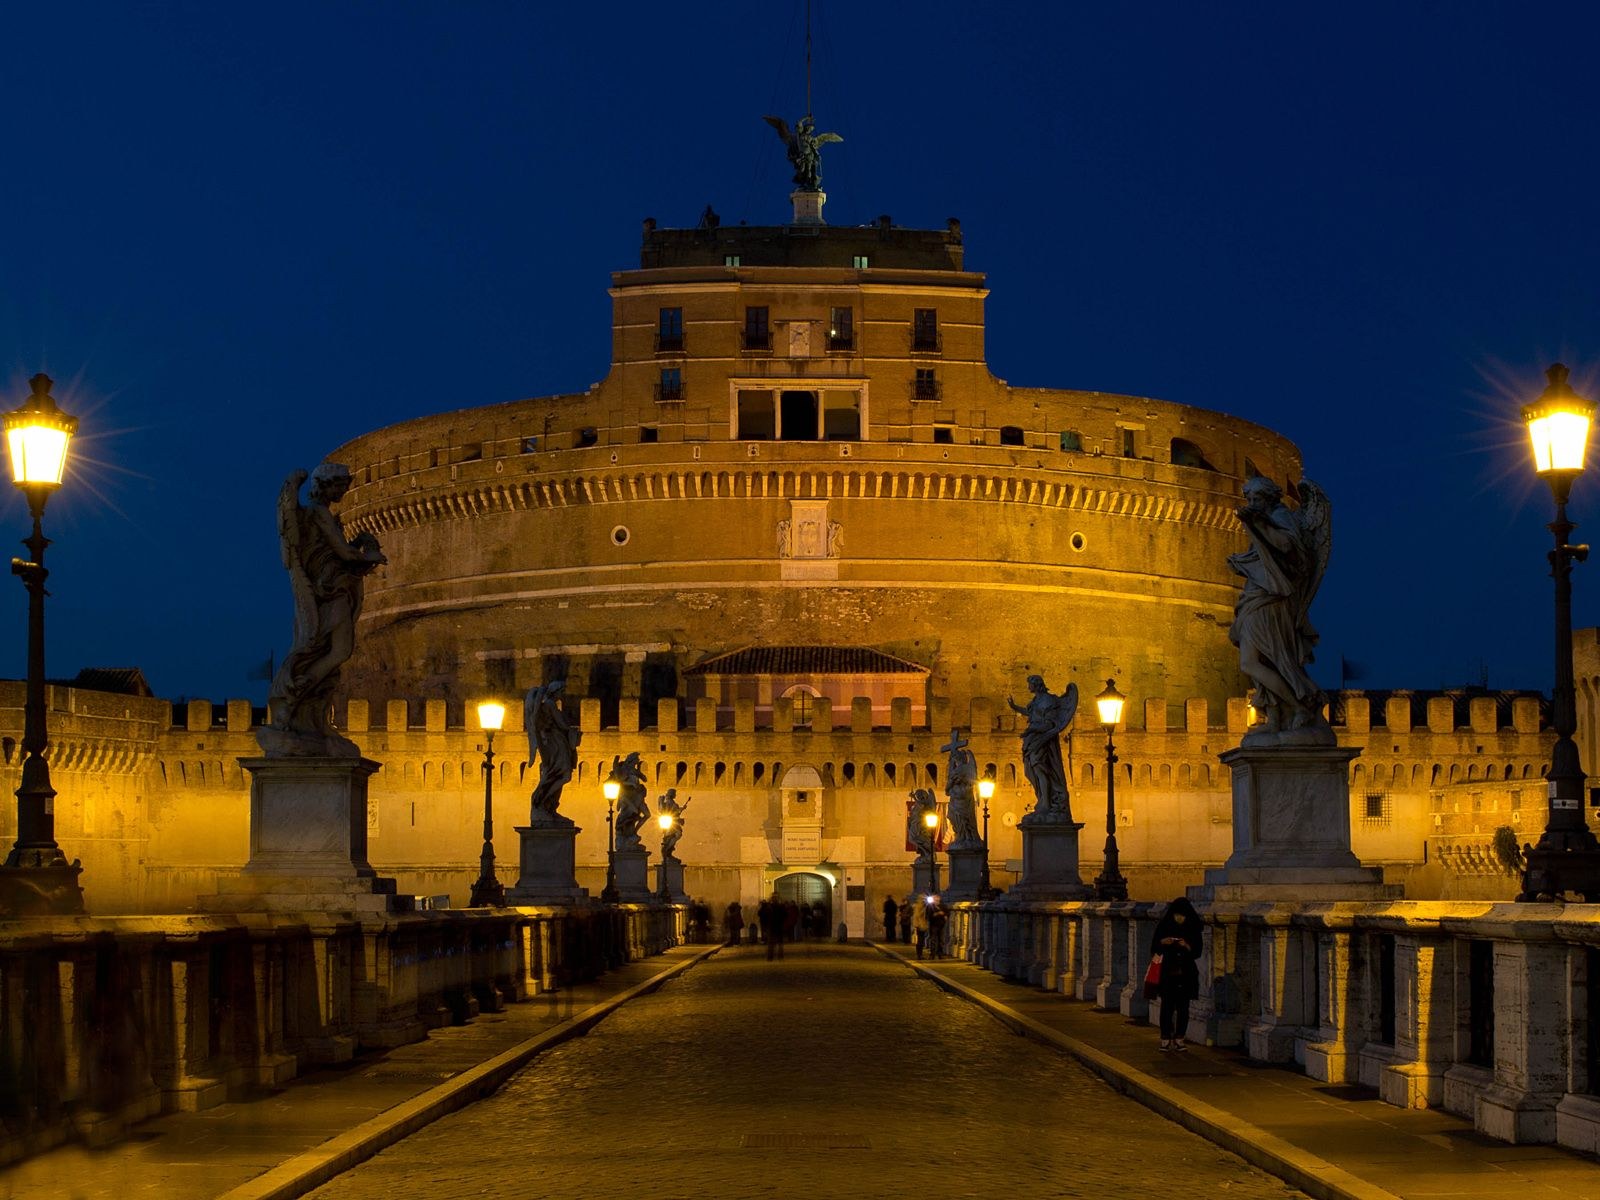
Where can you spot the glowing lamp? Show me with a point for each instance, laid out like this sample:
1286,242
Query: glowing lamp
491,716
665,821
611,788
986,788
1110,703
1558,425
37,434
931,819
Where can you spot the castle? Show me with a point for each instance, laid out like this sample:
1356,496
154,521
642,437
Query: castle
796,535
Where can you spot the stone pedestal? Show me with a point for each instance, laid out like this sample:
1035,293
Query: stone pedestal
1050,860
308,841
808,207
669,880
966,873
922,878
1291,830
633,876
547,861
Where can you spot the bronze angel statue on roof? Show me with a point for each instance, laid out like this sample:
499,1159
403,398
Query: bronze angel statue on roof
1282,571
1048,717
327,574
804,145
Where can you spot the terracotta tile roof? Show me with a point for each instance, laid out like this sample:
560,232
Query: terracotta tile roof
806,660
121,681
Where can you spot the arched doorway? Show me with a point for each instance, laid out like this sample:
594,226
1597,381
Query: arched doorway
808,889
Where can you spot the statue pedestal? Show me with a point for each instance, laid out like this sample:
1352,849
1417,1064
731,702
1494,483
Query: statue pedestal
922,877
308,841
1291,830
633,876
808,207
547,875
966,873
669,880
1050,860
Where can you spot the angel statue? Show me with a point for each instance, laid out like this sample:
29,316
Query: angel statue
632,810
326,574
960,784
668,806
804,145
1048,717
918,835
1271,619
553,739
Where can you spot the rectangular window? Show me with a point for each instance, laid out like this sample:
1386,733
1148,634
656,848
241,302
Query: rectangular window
530,444
1011,435
860,262
926,384
841,416
471,452
925,329
1376,809
944,435
757,417
649,433
731,260
671,386
841,329
587,436
1129,448
757,330
1071,440
669,331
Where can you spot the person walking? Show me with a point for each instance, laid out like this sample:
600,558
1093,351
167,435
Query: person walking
889,907
905,919
733,923
1177,940
771,914
919,924
938,919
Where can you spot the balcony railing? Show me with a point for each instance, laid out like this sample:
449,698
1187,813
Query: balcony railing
756,340
669,343
669,393
925,389
926,341
842,343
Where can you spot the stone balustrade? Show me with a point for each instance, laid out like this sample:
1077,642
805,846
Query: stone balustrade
104,1022
1490,1011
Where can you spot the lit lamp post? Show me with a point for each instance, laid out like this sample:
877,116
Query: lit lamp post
36,878
985,793
1109,884
665,822
1567,856
488,891
931,820
612,788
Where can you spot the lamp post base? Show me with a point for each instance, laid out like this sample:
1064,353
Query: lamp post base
1561,863
40,889
487,893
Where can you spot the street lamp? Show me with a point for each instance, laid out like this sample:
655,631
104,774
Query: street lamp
665,822
36,878
930,818
611,788
985,793
1567,856
1109,884
488,891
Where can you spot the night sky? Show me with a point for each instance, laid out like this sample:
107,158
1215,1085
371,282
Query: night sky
238,236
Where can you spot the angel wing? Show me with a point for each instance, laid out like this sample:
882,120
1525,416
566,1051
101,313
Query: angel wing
1316,529
1066,708
305,603
822,139
781,126
289,519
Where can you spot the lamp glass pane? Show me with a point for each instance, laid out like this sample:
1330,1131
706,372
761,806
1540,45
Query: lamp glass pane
665,821
38,453
611,789
1110,709
1559,440
491,716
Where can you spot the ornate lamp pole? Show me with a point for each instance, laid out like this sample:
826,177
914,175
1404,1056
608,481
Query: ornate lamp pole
488,891
1567,856
930,819
612,788
1109,884
985,793
36,878
665,822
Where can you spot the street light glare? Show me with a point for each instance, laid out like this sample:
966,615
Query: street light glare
1110,703
1558,425
37,434
986,788
611,789
491,716
931,819
665,821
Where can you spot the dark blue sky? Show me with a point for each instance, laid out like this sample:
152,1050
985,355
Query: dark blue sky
238,236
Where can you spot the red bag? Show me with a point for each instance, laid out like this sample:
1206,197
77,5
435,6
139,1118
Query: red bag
1152,979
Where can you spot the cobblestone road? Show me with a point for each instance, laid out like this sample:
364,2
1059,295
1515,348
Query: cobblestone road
831,1073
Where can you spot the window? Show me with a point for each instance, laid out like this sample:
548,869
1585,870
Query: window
944,435
530,444
587,436
757,330
757,417
471,452
1071,440
669,332
841,329
860,262
926,384
803,697
1186,454
1129,448
731,260
1376,809
797,416
841,416
925,329
671,386
649,433
1011,435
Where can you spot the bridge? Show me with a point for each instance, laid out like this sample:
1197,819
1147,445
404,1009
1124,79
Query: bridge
602,1054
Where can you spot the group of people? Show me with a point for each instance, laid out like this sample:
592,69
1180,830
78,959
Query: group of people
924,917
777,921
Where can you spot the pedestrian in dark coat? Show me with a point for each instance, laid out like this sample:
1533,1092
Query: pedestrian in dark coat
889,907
1177,940
905,920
